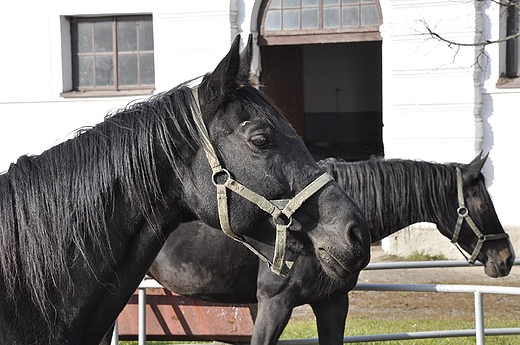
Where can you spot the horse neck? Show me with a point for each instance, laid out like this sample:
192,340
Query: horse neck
80,187
394,194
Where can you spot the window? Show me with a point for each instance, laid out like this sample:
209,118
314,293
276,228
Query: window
317,21
112,53
316,14
513,45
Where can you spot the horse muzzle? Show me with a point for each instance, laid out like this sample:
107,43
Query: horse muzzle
341,238
498,263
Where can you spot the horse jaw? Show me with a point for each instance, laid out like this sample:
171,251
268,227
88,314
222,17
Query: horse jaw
343,263
498,263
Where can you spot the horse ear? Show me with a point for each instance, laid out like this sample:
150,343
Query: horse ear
223,80
246,57
478,162
476,159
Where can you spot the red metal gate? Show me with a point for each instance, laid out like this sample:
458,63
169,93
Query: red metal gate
173,317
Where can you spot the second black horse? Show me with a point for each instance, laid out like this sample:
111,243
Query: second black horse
392,193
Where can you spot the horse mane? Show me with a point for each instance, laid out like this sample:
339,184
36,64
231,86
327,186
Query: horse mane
395,191
53,206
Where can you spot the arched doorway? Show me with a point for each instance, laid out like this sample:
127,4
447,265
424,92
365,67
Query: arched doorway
321,63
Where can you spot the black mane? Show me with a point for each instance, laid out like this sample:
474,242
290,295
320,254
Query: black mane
60,198
421,190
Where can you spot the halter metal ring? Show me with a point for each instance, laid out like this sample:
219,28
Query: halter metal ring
214,176
283,219
462,211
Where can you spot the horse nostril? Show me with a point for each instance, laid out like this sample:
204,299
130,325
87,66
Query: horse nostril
510,261
356,234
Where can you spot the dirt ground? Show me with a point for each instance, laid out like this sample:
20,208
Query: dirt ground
428,305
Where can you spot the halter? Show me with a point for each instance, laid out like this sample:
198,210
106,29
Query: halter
280,210
463,213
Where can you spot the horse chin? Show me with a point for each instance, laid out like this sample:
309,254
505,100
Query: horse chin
333,267
498,264
340,268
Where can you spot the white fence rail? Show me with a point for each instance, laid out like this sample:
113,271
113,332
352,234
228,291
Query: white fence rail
477,290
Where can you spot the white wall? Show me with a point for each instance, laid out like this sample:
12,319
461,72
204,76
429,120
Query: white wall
501,114
429,89
190,38
439,106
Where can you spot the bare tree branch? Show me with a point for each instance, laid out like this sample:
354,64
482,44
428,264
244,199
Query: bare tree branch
505,3
460,44
508,4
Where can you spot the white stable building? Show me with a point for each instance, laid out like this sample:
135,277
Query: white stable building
357,78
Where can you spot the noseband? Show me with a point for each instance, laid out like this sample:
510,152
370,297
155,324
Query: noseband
463,214
280,210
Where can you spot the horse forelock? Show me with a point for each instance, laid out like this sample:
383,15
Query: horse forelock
265,107
53,207
397,191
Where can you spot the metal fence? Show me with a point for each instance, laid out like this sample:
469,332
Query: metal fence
477,290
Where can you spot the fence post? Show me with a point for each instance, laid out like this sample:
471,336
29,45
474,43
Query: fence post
115,335
142,316
479,318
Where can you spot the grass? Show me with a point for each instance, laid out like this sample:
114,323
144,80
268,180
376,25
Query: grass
421,256
306,328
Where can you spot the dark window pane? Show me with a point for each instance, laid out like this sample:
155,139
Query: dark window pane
104,71
147,69
350,1
513,46
128,69
330,2
86,71
145,35
309,3
127,35
103,37
516,59
84,37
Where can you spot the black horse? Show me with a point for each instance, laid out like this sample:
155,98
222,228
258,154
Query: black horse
81,224
392,193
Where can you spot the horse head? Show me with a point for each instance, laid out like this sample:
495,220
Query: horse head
478,230
258,151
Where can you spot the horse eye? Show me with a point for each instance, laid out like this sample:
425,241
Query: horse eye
259,141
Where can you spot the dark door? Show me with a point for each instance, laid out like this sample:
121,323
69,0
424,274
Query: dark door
282,77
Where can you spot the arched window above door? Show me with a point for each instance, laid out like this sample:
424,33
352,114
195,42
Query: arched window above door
319,21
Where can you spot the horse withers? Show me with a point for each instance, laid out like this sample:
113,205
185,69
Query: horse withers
81,223
392,193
